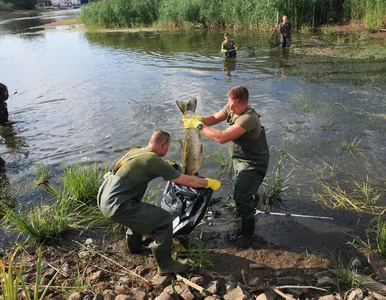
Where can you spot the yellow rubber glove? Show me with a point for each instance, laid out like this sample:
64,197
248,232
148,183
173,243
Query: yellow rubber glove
224,50
199,118
213,184
172,163
191,123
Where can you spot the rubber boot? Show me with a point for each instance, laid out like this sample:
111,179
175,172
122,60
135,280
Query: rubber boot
166,265
247,227
134,241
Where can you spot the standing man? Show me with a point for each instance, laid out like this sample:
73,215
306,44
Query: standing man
228,46
3,105
119,197
285,32
247,146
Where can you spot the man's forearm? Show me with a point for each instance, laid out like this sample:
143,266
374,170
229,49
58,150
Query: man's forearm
210,120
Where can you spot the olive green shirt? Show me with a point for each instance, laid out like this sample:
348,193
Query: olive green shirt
250,150
228,45
127,186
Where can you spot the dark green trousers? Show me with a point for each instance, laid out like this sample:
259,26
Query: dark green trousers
145,218
246,185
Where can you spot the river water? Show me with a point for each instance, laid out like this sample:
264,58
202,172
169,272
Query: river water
80,95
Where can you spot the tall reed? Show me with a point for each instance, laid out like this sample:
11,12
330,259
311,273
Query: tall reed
238,14
372,12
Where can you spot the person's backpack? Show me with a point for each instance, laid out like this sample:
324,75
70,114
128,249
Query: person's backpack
3,92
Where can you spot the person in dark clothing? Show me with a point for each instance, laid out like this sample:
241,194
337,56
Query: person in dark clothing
228,46
3,105
247,146
285,32
120,197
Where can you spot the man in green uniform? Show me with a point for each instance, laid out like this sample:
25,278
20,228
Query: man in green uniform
228,46
119,197
285,32
247,146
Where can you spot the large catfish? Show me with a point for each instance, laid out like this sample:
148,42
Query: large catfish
192,145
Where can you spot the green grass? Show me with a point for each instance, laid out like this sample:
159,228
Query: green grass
152,196
352,147
37,223
372,12
9,283
368,192
328,30
224,162
82,181
72,206
305,28
375,241
42,173
198,255
346,276
235,14
272,192
361,199
11,280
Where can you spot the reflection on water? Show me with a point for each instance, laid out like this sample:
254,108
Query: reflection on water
94,95
10,138
22,23
229,65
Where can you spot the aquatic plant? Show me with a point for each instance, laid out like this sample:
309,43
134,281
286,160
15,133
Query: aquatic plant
272,192
328,30
37,223
82,181
326,172
375,238
335,196
42,173
152,195
225,163
238,14
352,147
372,12
367,192
120,13
305,28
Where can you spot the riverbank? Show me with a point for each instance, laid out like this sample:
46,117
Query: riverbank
94,265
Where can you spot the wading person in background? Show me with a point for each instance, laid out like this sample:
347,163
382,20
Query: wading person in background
3,105
228,46
247,146
285,32
119,198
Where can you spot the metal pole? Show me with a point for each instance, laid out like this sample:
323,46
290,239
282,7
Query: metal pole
257,212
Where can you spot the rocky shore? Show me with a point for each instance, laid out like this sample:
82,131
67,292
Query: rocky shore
77,268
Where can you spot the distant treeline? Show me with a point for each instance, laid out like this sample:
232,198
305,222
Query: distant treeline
7,5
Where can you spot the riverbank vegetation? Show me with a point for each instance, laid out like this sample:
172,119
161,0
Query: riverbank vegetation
237,14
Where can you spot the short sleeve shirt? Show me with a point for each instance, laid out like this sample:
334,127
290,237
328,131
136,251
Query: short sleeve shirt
146,167
123,190
247,120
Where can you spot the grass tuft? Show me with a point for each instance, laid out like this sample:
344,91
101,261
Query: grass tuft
351,147
42,173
